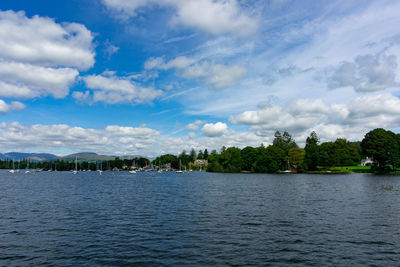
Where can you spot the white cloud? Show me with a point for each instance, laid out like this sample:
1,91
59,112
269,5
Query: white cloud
111,140
214,130
218,75
15,105
41,41
368,73
215,17
110,49
40,57
178,62
351,120
194,126
26,80
111,89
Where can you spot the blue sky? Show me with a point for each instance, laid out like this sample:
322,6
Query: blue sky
153,77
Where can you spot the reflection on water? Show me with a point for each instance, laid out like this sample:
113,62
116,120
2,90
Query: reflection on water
197,218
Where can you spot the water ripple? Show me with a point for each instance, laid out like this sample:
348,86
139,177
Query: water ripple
200,219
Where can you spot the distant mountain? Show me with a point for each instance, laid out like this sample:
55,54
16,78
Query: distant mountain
31,156
82,156
85,153
131,156
87,156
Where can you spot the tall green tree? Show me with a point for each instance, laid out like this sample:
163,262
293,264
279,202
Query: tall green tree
205,155
193,155
284,142
249,157
312,156
296,157
269,160
231,159
383,146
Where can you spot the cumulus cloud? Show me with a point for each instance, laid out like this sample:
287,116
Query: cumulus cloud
218,75
15,105
214,129
115,139
111,140
194,126
25,80
214,17
41,57
42,41
300,117
367,73
111,89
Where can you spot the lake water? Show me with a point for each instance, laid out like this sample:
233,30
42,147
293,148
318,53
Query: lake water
57,218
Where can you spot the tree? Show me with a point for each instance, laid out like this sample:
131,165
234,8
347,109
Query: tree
205,155
312,156
192,155
185,159
231,160
269,159
200,155
383,146
167,158
284,142
249,157
296,157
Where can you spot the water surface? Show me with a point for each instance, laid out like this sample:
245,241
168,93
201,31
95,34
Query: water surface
57,218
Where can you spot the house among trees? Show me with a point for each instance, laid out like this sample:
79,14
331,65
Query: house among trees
200,162
367,161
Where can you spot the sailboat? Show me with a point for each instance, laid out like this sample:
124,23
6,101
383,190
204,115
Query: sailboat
13,169
288,168
27,167
76,166
180,167
101,168
17,166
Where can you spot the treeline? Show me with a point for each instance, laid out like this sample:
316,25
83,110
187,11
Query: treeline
63,165
380,145
285,155
186,160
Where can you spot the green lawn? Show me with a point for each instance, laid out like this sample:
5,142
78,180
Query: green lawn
351,168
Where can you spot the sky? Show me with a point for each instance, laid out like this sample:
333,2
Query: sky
149,77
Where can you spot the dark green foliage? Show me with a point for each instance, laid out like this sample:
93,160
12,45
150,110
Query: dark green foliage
383,146
296,158
167,159
205,155
184,158
64,165
269,160
312,157
284,142
249,157
230,159
200,155
193,155
339,153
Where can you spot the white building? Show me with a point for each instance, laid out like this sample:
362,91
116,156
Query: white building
367,161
